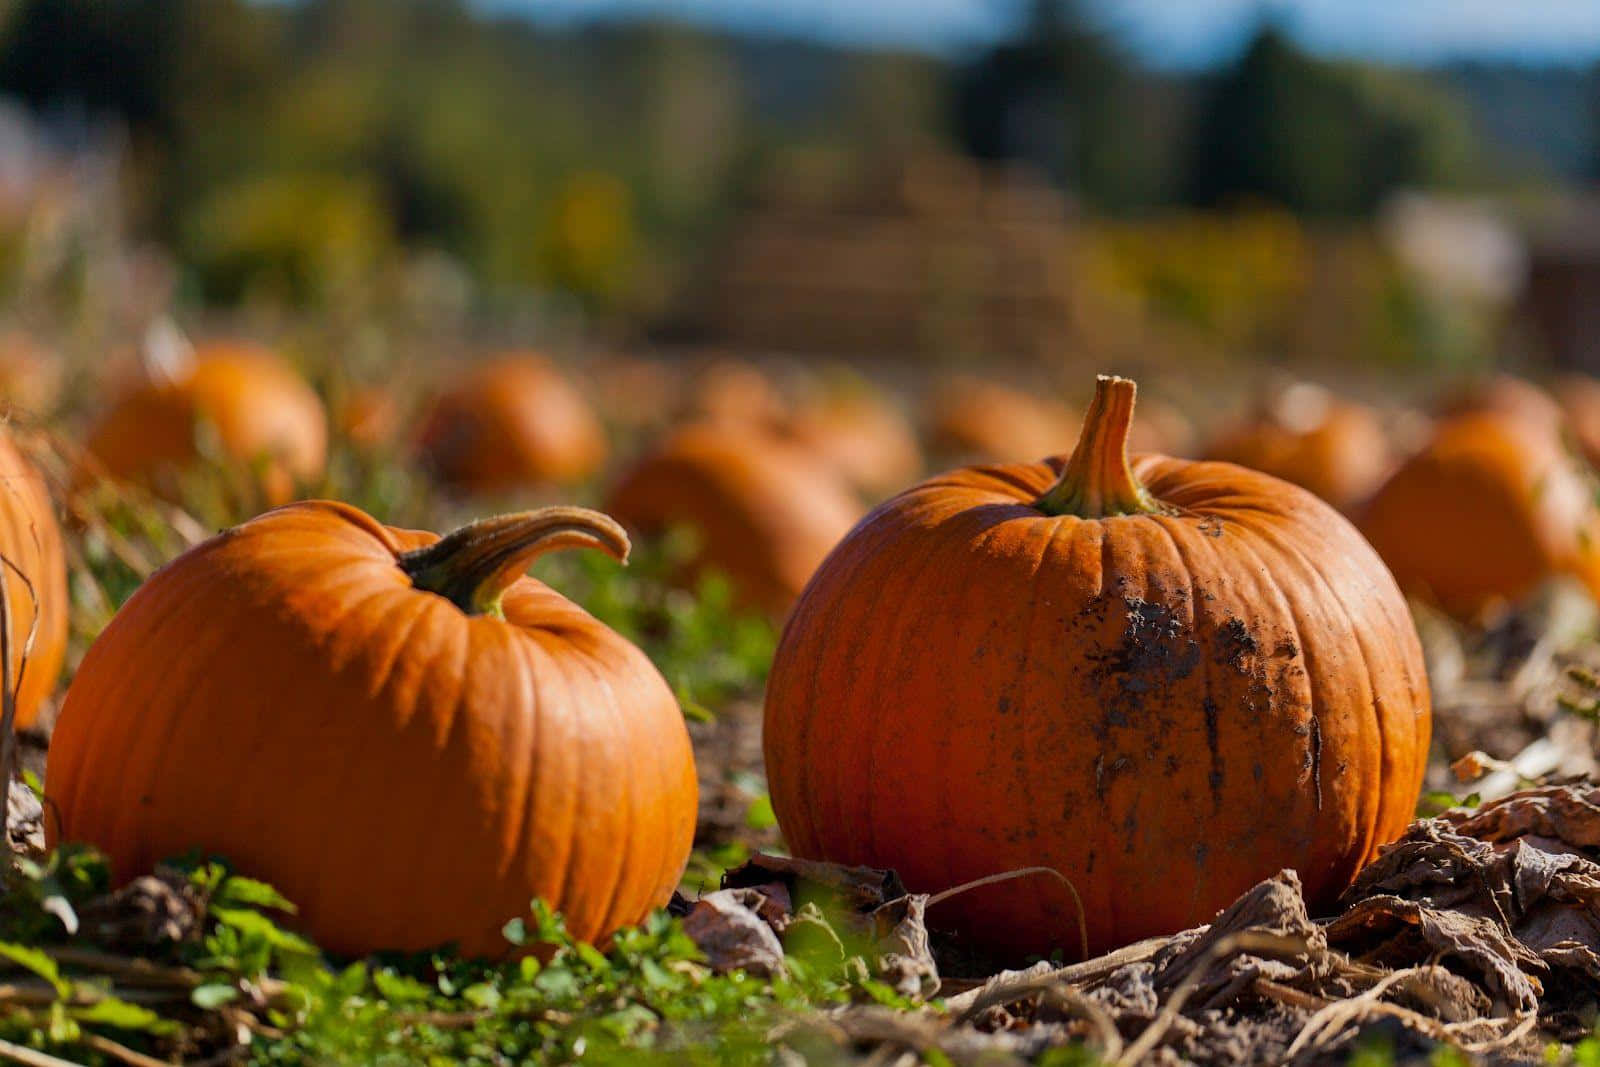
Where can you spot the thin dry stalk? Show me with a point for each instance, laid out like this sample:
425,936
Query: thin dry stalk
1023,872
30,1057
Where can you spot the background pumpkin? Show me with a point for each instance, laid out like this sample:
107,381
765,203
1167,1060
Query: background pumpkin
861,435
1166,680
1580,402
765,512
509,423
30,538
411,767
1305,435
1503,394
259,414
1492,506
976,419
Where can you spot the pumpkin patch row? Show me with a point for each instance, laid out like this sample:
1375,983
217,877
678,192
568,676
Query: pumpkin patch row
1020,665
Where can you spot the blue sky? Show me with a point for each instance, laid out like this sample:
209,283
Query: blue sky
1167,33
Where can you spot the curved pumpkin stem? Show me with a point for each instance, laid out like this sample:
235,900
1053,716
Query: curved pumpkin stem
473,567
1097,481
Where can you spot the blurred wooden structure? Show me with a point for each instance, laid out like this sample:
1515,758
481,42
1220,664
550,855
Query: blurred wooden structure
1562,300
927,256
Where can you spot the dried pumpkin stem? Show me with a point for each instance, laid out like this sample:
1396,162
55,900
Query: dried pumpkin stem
1097,481
473,567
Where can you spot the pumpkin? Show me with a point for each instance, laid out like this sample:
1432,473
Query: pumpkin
509,423
1490,508
860,435
231,403
1503,394
764,512
733,391
30,539
1580,401
31,375
396,730
1165,680
972,418
1305,435
368,417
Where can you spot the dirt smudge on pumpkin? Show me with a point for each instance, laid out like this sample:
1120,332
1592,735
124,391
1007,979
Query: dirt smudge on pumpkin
1214,745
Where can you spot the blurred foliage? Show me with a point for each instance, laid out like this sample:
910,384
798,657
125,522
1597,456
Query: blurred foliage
282,149
1319,137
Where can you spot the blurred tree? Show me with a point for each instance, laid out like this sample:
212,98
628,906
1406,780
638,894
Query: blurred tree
1322,138
1062,97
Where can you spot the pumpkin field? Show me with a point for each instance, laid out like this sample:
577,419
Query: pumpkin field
633,532
1260,738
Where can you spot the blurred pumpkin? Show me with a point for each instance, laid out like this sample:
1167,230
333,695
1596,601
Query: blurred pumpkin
1580,401
30,539
1504,394
1161,427
398,731
859,434
31,375
733,391
633,392
368,417
232,405
508,423
1166,680
765,513
1492,506
973,418
1306,435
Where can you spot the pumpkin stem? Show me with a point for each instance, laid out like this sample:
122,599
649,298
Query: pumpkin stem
473,567
1097,481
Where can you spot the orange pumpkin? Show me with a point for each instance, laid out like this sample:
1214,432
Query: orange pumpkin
736,392
368,417
1580,400
1164,679
30,538
232,404
509,423
1305,435
31,376
396,730
861,436
1503,394
765,512
1492,506
973,418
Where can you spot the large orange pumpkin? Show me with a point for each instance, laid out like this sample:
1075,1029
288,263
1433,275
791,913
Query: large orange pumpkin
765,512
1305,435
233,404
30,538
1492,506
1166,680
399,732
509,423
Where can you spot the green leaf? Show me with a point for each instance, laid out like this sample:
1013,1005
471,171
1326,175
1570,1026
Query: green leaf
760,816
247,892
255,924
110,1011
38,962
399,988
213,995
